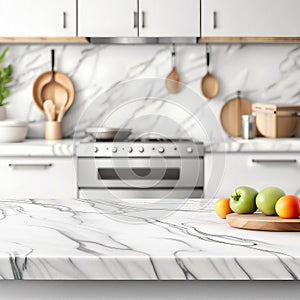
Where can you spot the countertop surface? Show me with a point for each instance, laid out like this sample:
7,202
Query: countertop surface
236,145
38,148
66,147
162,240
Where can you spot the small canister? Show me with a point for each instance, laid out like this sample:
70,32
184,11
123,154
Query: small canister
53,130
248,127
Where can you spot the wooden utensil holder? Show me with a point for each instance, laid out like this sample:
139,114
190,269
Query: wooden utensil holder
53,130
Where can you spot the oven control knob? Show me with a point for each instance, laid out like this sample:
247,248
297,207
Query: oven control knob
130,150
189,150
161,149
114,149
96,149
141,149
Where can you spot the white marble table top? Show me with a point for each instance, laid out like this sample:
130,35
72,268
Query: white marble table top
165,240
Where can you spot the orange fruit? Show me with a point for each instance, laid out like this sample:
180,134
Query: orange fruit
222,207
287,207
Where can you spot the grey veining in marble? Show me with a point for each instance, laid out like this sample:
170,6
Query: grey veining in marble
165,240
124,85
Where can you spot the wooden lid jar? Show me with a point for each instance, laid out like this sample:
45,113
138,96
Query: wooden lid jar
276,121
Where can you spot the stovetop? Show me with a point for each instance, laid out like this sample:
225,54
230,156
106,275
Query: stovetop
149,140
140,139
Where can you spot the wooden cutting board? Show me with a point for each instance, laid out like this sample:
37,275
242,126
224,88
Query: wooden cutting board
43,79
231,115
259,221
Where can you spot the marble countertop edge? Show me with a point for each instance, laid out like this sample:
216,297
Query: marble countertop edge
74,239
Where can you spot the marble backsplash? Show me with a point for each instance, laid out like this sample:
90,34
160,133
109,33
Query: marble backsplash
123,85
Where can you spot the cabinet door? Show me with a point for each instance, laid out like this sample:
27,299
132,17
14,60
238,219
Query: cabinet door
255,170
107,18
250,18
169,18
37,18
37,178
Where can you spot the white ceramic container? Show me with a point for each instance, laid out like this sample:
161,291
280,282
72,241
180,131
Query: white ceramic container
12,131
2,113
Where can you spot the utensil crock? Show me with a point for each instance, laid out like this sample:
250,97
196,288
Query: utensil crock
53,130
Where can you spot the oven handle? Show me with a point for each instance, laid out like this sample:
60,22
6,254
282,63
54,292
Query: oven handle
138,163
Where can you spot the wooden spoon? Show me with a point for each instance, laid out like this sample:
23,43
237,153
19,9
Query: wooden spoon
62,111
47,112
173,81
49,108
209,83
53,89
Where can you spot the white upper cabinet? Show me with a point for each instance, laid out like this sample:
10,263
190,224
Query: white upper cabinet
37,18
250,18
107,18
169,18
133,18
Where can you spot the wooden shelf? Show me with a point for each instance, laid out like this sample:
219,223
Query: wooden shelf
39,40
83,40
249,39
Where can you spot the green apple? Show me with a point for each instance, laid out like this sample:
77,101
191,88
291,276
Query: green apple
267,198
243,200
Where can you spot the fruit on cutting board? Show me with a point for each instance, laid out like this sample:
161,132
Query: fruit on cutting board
287,207
222,207
243,200
267,198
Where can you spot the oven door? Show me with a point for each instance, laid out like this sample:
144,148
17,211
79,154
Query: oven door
137,173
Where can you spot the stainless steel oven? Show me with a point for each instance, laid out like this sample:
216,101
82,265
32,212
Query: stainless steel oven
143,169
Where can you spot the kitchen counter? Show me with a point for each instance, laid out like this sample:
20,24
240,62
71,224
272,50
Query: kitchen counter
39,148
65,147
237,145
167,240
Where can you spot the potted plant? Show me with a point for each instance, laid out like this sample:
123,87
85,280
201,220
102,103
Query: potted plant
5,78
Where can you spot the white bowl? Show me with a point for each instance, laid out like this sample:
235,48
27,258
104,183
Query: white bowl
13,131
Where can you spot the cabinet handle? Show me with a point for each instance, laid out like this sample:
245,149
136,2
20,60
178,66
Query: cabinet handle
64,20
274,161
30,165
215,20
135,19
143,20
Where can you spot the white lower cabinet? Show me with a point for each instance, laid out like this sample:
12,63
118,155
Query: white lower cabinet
226,171
37,178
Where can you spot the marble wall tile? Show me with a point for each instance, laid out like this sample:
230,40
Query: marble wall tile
123,85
